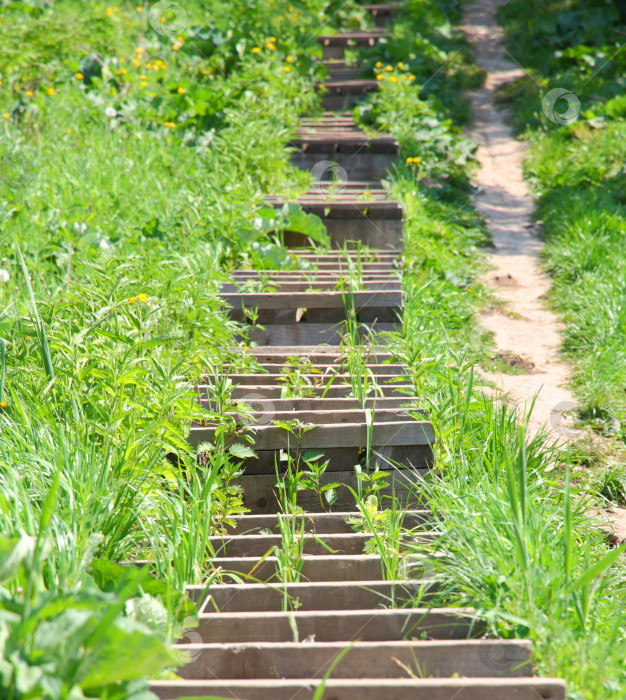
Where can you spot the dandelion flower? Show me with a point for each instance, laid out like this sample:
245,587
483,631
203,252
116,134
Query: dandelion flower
132,300
255,49
3,404
169,125
143,298
393,79
51,91
79,76
378,64
273,39
287,69
139,9
379,77
181,91
144,83
136,63
68,131
29,93
411,76
6,115
109,12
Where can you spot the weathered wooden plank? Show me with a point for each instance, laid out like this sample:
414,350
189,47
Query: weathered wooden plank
321,595
432,659
259,379
313,333
260,494
317,355
258,545
340,625
386,433
320,523
336,544
349,567
334,47
294,286
343,459
314,300
255,392
354,158
328,368
370,689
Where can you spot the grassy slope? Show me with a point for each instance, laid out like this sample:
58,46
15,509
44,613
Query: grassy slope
518,546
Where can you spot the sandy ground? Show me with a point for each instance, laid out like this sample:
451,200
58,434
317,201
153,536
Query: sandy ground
524,327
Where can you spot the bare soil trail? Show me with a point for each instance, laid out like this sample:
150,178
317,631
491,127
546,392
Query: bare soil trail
524,327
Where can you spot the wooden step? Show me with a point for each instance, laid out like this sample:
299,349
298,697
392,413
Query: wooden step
382,14
334,47
403,486
333,544
393,429
314,333
315,355
254,392
369,689
391,659
320,523
345,94
322,595
356,567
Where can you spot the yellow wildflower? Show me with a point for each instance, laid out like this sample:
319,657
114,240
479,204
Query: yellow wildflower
136,63
68,131
3,404
388,67
175,47
109,12
181,91
393,79
287,69
378,64
6,115
51,91
379,77
139,9
273,39
143,298
79,76
169,125
411,76
143,77
144,84
289,59
255,49
400,64
132,300
29,93
271,47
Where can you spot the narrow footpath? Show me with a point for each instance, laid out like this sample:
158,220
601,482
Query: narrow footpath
523,327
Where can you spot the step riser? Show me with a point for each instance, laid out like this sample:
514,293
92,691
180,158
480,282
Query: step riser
390,660
376,233
251,597
449,689
259,493
320,523
350,166
340,626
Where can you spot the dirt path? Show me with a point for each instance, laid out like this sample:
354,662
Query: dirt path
525,327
